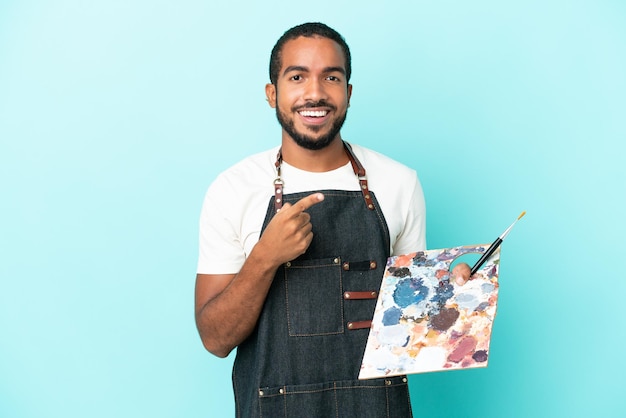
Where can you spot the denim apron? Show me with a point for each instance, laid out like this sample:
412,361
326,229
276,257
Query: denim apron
304,356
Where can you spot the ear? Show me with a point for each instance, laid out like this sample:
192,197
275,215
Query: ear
349,93
270,94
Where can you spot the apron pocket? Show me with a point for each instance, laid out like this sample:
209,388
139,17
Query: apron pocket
313,292
350,398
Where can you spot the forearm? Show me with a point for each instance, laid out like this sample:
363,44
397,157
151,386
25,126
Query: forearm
229,317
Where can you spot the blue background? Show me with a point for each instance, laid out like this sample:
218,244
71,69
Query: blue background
116,115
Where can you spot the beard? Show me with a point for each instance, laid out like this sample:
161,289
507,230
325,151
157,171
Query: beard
307,141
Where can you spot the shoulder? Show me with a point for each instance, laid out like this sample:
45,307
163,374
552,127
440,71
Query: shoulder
245,185
254,169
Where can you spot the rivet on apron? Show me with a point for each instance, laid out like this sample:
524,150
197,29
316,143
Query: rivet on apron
404,379
350,325
370,206
387,382
372,265
288,264
281,391
374,294
346,266
260,393
347,295
336,261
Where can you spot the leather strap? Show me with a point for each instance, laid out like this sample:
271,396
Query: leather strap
360,173
370,294
357,167
359,325
278,183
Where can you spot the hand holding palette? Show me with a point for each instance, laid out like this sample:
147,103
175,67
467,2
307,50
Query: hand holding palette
425,322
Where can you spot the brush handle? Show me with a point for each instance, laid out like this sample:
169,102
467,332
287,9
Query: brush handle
494,246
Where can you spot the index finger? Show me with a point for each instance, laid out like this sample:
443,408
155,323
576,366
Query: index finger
308,201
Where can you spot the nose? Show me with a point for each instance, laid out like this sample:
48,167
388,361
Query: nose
314,90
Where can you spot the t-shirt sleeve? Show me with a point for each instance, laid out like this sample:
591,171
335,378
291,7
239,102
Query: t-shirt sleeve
413,235
220,248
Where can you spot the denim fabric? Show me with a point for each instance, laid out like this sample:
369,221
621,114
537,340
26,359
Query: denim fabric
302,360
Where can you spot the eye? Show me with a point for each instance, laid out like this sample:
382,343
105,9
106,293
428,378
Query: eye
333,78
296,77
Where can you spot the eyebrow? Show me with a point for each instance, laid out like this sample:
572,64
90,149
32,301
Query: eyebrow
300,68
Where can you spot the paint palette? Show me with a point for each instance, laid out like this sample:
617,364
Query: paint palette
425,322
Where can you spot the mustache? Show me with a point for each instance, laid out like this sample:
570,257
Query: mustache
309,105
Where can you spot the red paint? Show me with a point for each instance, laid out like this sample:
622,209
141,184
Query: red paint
464,347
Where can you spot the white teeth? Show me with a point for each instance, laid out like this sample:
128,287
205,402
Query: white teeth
314,113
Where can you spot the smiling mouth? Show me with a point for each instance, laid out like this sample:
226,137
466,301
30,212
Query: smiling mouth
313,113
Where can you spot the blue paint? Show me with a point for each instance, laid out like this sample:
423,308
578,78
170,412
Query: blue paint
487,287
406,342
419,259
392,316
443,293
482,306
430,262
467,301
409,291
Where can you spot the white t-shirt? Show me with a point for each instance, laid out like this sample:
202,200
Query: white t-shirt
236,203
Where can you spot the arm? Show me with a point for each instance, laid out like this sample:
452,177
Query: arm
227,306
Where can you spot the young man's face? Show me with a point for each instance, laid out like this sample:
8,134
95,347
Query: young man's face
311,95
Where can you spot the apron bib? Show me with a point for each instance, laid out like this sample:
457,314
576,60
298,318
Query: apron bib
304,356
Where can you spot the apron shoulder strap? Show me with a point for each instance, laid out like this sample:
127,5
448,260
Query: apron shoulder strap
357,167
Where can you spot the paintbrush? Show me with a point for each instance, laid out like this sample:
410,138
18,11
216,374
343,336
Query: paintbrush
494,246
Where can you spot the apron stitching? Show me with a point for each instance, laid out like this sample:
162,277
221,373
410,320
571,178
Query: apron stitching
408,398
287,301
342,319
386,237
387,397
336,400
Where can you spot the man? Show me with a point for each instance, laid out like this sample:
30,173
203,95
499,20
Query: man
293,245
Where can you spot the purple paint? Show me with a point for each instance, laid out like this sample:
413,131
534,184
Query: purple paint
480,356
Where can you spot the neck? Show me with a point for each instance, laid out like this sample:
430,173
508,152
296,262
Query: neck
326,159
